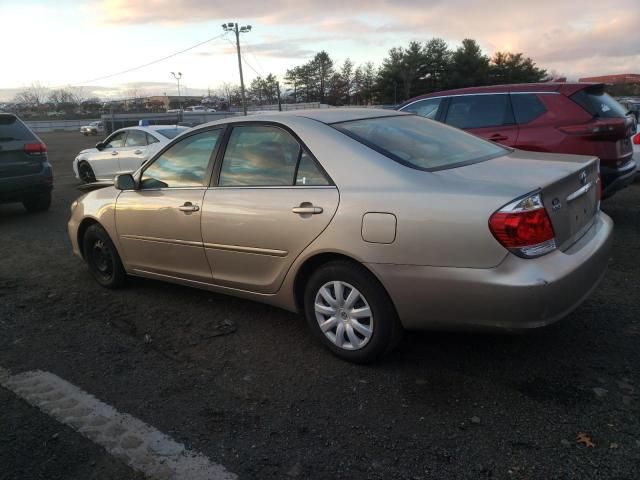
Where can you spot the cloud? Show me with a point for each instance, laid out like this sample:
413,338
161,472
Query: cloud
576,37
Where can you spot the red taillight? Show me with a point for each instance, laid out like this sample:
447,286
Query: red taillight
35,148
524,227
636,139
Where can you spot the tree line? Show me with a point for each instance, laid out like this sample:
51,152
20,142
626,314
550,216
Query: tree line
404,73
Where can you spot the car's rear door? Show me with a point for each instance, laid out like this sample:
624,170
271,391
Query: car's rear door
159,223
270,199
133,154
489,116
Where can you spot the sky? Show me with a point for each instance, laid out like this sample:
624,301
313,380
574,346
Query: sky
63,42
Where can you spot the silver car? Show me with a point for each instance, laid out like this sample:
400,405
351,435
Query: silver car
367,221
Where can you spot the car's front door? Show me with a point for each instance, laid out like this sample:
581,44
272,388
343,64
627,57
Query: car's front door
159,223
270,201
489,116
133,153
105,163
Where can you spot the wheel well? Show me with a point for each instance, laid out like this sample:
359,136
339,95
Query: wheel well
84,225
309,266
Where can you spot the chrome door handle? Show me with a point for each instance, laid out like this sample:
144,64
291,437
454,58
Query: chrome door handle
138,152
307,210
188,207
114,153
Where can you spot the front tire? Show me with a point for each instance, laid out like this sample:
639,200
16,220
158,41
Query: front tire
102,258
37,203
85,172
350,312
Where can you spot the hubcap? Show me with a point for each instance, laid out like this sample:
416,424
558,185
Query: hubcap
344,316
85,173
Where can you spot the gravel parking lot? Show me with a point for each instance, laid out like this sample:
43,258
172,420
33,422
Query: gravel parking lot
246,385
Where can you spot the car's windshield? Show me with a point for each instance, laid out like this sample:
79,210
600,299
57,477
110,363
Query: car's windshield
420,143
171,132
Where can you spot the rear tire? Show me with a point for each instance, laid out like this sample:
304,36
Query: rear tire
102,258
37,203
359,321
85,172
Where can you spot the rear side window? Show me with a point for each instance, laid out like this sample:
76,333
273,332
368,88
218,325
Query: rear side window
527,107
136,138
151,139
427,108
598,103
420,143
259,156
478,111
12,129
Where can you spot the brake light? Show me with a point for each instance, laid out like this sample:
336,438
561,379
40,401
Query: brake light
636,139
35,148
524,227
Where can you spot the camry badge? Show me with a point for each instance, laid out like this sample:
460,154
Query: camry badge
555,204
583,178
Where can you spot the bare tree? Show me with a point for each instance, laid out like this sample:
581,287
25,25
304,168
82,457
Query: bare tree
33,95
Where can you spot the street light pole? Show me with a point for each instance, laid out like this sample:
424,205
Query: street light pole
178,77
235,28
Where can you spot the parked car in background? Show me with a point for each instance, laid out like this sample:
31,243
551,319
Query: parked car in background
632,105
368,221
94,128
575,118
123,151
25,172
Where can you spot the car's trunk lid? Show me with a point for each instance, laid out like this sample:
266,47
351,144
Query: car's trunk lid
568,185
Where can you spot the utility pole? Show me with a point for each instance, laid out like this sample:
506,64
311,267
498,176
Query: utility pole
178,77
235,28
279,100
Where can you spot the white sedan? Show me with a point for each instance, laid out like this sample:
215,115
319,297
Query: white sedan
122,152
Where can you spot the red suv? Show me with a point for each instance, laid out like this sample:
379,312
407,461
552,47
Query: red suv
578,118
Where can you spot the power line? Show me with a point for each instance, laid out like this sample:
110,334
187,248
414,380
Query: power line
152,62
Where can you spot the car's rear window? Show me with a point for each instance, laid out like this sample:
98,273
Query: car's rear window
12,129
420,143
598,103
170,132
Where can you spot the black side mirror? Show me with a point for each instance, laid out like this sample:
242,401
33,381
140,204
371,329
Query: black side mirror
125,181
100,145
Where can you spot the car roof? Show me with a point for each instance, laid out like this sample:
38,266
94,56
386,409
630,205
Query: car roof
546,87
322,115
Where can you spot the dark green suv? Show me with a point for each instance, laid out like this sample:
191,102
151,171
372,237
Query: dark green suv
25,172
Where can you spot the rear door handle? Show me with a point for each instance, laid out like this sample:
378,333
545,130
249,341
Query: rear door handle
188,207
138,152
498,138
114,152
307,210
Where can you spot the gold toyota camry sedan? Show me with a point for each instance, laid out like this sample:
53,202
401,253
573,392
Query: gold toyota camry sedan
367,221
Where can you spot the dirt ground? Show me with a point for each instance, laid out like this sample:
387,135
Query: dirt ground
267,401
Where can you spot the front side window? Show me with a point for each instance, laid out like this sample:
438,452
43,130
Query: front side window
116,140
425,108
258,155
420,143
136,138
478,111
184,164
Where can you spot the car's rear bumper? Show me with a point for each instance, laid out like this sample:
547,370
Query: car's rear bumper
16,189
617,178
518,294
